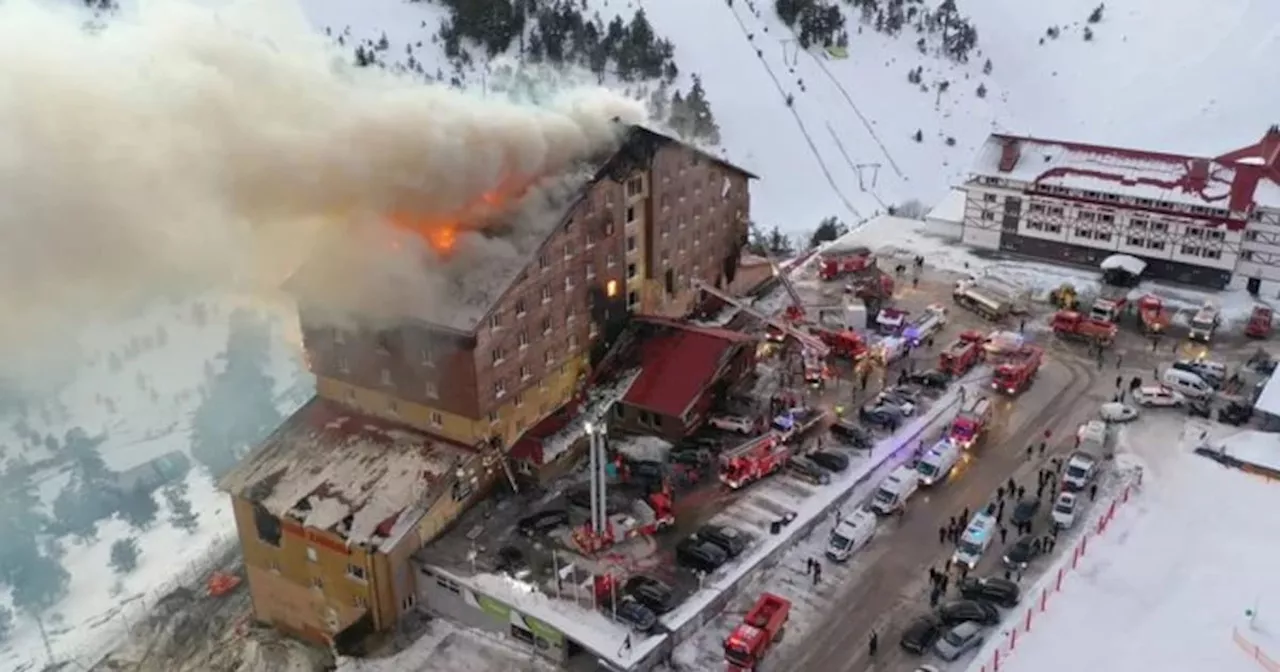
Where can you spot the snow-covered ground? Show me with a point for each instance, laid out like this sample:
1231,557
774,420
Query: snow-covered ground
1173,576
139,384
901,238
447,647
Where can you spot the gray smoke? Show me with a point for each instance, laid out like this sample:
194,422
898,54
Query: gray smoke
180,146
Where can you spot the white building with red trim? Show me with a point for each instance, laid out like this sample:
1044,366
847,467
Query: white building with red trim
1213,222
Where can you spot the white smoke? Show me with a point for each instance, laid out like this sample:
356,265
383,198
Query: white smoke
183,145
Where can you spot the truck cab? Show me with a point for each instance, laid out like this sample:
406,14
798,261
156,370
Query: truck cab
895,490
1079,472
975,540
936,464
1204,323
969,425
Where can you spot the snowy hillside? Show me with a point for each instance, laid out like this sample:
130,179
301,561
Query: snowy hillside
109,461
1137,80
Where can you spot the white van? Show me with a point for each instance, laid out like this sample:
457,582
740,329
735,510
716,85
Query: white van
1189,384
896,489
850,535
1080,471
935,465
975,540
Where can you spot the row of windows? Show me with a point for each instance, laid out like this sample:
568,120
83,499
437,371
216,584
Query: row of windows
1130,200
1103,236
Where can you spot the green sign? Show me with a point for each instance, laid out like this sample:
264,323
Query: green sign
502,612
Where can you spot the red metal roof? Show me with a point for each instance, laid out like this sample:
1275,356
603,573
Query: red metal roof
1187,174
678,364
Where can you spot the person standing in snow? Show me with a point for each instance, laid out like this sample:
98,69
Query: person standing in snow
873,644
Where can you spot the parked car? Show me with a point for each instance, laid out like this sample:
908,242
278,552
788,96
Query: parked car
807,470
690,457
700,554
852,433
993,589
830,461
1025,510
733,423
959,640
884,416
1021,553
932,379
1213,373
543,522
646,471
1200,408
1117,412
639,617
961,611
1064,510
920,634
652,593
1154,395
730,539
898,399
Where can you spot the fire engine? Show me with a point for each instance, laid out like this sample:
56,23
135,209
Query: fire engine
1259,323
1068,324
835,263
1015,370
844,343
753,460
1155,318
891,321
972,422
962,354
646,516
1109,305
759,631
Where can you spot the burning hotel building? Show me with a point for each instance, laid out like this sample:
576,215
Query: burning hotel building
408,422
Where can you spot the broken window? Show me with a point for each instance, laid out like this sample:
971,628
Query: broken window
269,530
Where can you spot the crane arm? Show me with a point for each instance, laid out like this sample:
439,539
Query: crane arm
807,340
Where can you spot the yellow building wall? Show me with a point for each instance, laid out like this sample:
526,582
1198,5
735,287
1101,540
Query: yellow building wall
557,388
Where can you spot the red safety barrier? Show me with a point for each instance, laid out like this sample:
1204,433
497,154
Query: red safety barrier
1044,599
1102,523
1084,545
1075,557
1029,611
1111,512
1013,639
995,661
1058,586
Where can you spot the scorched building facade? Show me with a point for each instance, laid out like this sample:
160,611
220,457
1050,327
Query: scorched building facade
1213,222
411,422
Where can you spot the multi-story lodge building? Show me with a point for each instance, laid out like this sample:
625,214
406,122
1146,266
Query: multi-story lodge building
408,423
1206,221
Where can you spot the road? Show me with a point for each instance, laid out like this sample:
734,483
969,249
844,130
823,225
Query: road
892,588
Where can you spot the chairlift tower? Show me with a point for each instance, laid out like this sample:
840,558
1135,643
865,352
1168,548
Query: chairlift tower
861,169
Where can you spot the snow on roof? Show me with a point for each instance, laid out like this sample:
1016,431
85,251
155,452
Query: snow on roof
1253,447
1171,178
641,447
1124,262
1269,399
581,623
600,399
334,470
950,208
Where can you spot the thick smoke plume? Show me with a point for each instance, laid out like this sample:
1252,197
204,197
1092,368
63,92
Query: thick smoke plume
183,146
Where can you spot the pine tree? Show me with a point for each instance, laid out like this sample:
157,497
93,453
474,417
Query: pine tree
828,229
124,555
38,581
138,508
181,515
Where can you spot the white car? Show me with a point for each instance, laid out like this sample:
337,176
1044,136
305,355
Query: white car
1158,396
1117,412
1064,510
733,423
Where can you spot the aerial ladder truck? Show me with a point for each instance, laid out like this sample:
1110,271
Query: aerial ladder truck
808,341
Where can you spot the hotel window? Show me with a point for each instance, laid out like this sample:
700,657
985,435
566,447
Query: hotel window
1086,216
356,572
989,198
497,355
341,363
543,263
525,374
1037,207
1155,244
1084,233
520,309
428,356
1191,250
523,339
1106,218
1104,236
546,293
1215,235
989,216
568,282
317,583
1211,254
635,186
546,325
1138,223
437,419
1135,241
631,214
568,251
499,389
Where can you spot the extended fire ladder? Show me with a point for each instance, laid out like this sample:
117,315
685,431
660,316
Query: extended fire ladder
806,340
785,279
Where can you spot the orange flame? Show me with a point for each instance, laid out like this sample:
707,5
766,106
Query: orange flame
441,232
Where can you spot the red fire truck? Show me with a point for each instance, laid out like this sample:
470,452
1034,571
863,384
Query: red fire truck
962,354
1016,369
844,343
1259,325
753,460
970,425
1155,318
763,627
1070,325
835,263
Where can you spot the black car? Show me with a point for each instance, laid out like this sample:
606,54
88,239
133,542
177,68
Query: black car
646,471
730,539
830,461
652,593
960,611
543,522
700,554
1025,511
993,589
1200,408
807,470
1022,553
690,457
852,434
1235,414
933,379
884,417
920,635
639,617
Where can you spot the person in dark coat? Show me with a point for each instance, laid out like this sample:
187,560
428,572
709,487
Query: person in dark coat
1093,492
964,517
873,644
942,535
1022,491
